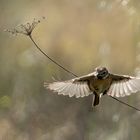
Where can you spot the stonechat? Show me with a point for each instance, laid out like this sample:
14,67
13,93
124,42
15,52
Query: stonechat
99,82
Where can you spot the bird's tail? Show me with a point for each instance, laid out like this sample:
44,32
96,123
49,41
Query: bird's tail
96,100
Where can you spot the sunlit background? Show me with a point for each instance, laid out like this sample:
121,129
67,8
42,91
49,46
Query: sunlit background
80,35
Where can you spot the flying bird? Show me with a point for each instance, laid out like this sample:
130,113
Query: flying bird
98,83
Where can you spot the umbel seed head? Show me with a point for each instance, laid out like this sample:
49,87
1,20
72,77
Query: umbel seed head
25,29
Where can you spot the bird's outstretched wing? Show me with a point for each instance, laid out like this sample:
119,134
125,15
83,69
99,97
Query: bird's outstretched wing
123,85
77,87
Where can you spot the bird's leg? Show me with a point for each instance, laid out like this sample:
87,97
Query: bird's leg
96,99
105,92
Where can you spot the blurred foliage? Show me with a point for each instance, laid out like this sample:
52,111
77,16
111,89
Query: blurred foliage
5,102
80,35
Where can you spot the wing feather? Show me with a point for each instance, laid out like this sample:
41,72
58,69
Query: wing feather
67,89
82,91
71,88
110,90
125,88
123,85
71,93
62,89
121,90
113,89
117,90
128,91
134,87
77,93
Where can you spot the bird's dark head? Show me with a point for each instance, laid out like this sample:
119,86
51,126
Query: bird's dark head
102,72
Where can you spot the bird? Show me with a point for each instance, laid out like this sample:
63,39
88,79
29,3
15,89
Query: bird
99,82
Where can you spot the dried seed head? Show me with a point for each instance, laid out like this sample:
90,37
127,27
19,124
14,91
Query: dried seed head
25,29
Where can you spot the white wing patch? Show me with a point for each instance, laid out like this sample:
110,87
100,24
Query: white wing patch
124,87
70,88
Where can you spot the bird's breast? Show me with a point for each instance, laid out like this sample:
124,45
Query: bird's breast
100,85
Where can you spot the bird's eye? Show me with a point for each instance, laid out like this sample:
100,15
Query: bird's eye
104,72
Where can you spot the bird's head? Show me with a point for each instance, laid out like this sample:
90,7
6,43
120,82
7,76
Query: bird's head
102,72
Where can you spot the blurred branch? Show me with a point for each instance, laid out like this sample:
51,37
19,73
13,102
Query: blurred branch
30,36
